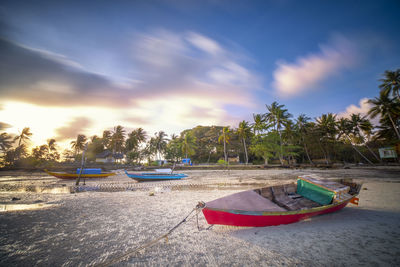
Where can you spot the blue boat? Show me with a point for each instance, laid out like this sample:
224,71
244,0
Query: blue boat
155,176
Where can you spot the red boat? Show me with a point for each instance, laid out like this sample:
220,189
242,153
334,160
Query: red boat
282,204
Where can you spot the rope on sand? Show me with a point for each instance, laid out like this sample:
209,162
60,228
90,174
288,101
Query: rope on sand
128,254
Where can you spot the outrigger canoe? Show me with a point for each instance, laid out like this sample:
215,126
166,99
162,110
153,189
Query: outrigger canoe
282,204
155,176
66,175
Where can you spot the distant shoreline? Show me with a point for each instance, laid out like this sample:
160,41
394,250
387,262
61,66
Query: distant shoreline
36,171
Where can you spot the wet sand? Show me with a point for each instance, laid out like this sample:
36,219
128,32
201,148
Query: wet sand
90,228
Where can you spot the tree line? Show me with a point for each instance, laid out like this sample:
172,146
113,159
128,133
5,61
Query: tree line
272,137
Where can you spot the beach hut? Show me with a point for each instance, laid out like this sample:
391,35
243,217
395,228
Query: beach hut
108,157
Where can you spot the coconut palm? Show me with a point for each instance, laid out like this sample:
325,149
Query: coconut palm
134,139
174,148
23,136
326,127
362,128
244,132
188,144
391,83
106,139
79,143
151,148
346,128
386,107
174,137
302,124
160,143
141,134
131,142
278,117
51,144
259,123
52,153
225,137
118,138
5,142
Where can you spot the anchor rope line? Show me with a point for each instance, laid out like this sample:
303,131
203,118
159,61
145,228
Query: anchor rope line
128,254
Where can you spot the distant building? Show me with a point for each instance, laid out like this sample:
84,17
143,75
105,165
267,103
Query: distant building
387,153
108,157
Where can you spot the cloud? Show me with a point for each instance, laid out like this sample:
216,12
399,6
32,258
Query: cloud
308,72
4,125
171,66
362,109
206,44
44,78
76,126
186,79
137,120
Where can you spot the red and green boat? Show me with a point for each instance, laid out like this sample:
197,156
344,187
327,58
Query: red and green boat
282,204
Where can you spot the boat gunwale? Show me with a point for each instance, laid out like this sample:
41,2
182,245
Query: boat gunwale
75,175
155,176
280,213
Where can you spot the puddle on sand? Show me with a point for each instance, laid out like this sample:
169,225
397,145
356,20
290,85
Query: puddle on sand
21,207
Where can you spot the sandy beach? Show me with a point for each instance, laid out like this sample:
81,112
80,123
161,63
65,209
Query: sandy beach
117,215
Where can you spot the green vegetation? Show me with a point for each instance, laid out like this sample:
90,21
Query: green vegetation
273,137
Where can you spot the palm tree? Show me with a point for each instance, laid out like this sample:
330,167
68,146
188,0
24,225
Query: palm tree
278,117
160,143
5,142
362,127
290,137
225,137
385,107
391,83
174,137
79,143
346,128
244,132
188,144
134,139
174,148
131,142
302,125
107,136
23,136
326,126
259,123
140,134
151,148
52,149
51,144
118,138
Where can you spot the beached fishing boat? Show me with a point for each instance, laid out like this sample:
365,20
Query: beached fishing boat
85,174
155,176
282,204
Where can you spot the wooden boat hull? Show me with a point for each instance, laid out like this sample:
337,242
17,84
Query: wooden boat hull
143,177
261,219
71,176
282,204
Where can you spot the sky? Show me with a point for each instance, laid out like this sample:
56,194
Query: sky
82,67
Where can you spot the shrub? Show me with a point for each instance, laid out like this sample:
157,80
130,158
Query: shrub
222,162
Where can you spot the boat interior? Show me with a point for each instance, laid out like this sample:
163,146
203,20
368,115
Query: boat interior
286,196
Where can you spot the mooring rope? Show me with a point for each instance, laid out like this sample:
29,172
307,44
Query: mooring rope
128,254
